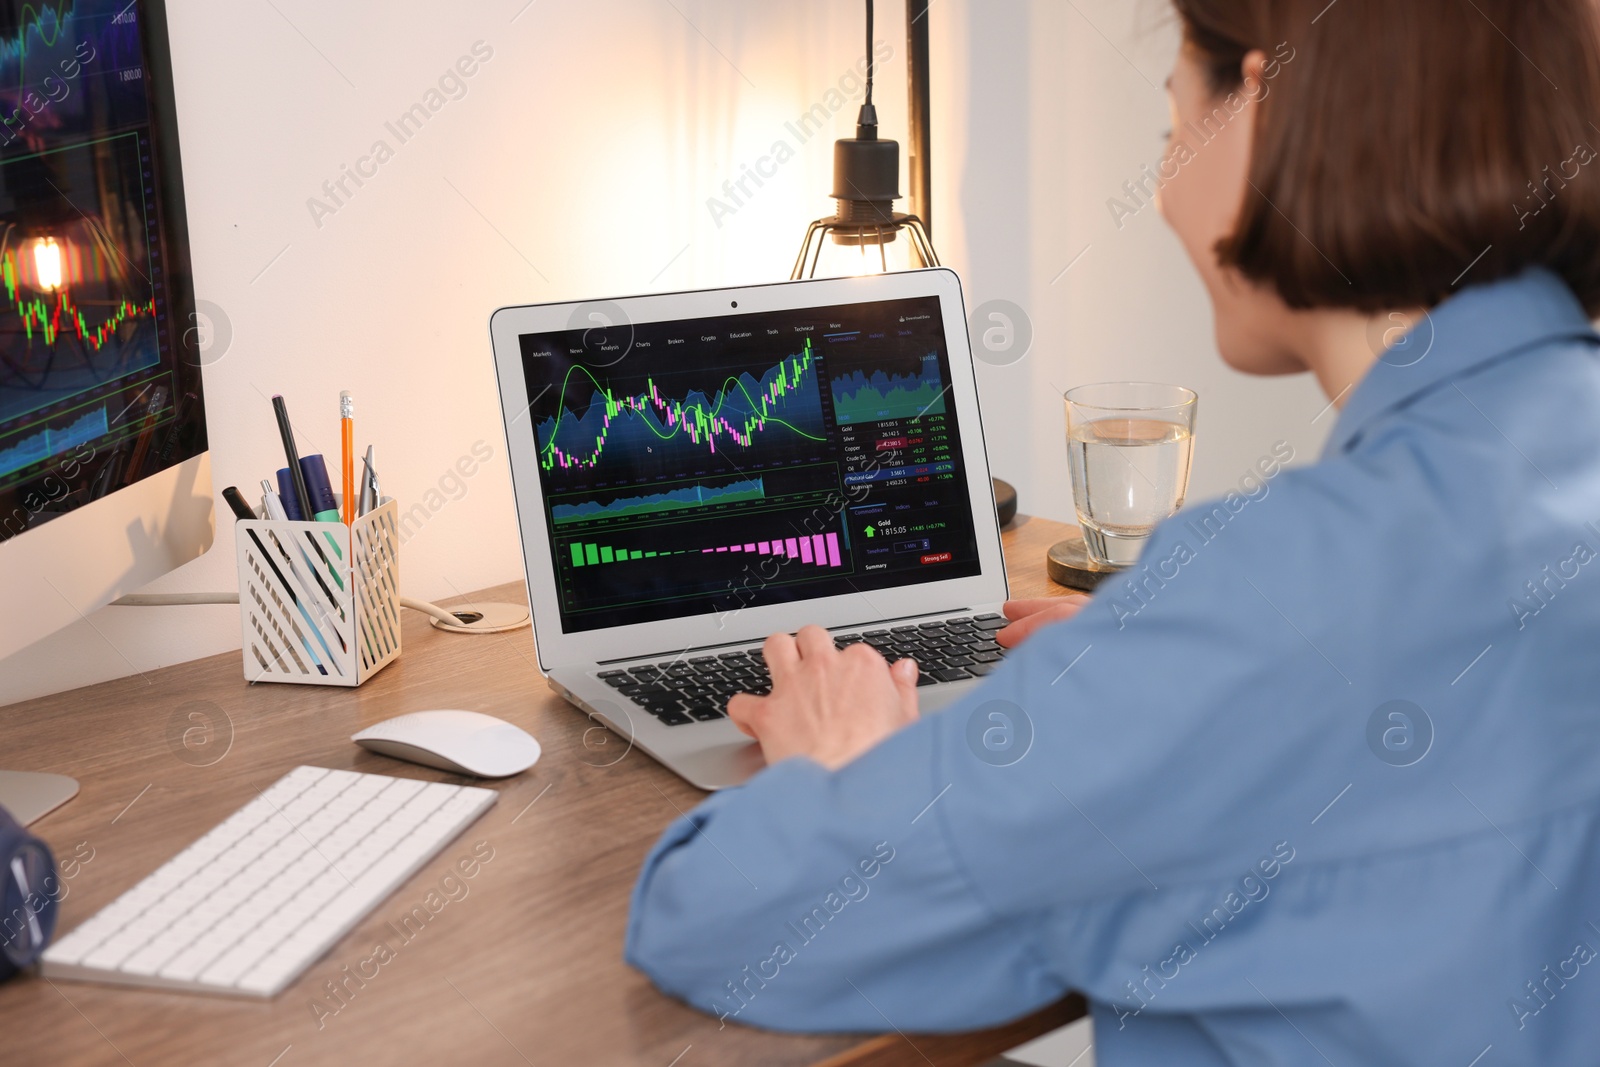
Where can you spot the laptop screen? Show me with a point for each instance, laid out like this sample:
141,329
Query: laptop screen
703,466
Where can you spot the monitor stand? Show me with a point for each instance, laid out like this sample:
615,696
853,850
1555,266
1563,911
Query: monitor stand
28,795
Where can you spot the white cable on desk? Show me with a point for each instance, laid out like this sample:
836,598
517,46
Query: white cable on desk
430,609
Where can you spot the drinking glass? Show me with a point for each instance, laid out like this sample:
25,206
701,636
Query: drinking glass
1129,446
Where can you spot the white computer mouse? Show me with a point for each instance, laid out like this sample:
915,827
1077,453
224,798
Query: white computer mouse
465,742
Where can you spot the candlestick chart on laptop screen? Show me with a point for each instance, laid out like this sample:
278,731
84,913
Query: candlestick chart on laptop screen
700,466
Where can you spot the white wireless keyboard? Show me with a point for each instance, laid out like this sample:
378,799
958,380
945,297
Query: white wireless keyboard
248,907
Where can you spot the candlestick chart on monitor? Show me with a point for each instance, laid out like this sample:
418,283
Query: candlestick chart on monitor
84,369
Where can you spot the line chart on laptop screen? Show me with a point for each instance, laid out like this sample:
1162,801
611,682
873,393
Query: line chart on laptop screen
768,411
702,466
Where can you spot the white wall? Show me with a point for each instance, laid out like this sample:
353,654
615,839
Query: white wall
579,164
1065,105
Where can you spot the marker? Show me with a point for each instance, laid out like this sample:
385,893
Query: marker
314,471
292,513
301,495
327,507
241,510
286,497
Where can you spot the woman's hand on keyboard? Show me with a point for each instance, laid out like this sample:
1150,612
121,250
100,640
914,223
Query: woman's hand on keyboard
826,704
1029,616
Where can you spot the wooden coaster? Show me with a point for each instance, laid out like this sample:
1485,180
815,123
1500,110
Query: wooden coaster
1069,564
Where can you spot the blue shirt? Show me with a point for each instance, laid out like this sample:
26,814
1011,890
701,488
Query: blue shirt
1319,781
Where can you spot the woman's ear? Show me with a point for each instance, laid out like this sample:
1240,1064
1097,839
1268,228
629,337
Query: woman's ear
1253,68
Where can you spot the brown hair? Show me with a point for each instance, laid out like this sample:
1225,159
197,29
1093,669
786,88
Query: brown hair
1401,139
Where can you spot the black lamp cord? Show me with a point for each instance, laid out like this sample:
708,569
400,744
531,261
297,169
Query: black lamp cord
869,52
867,121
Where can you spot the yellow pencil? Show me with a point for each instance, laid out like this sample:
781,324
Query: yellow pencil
347,428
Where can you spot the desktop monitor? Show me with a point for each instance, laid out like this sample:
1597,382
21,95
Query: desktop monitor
104,480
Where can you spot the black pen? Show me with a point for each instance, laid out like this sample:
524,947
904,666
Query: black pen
236,501
302,494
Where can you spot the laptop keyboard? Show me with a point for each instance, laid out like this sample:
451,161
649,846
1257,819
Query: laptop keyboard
689,689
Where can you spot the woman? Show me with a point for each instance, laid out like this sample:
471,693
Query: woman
1322,785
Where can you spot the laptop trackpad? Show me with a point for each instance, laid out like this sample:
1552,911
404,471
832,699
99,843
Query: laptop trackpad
722,765
934,697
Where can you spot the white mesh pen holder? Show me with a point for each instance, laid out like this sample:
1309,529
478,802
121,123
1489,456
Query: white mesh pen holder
319,602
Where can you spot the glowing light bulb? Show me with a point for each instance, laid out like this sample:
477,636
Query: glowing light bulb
47,263
864,254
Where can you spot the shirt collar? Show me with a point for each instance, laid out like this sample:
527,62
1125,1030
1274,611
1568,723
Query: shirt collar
1473,327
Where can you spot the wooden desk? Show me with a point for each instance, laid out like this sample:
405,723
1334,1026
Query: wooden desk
525,968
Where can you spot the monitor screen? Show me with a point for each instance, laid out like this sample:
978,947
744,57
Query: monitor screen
99,382
704,466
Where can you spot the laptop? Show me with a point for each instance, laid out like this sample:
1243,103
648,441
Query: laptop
695,471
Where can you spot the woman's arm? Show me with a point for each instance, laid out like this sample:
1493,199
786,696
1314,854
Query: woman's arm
941,879
814,900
